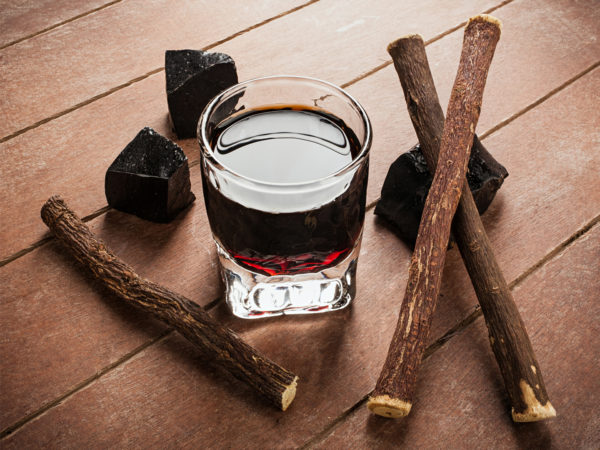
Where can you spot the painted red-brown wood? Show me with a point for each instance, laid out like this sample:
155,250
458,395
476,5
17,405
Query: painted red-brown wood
339,41
60,328
68,65
338,355
34,163
528,60
462,403
22,18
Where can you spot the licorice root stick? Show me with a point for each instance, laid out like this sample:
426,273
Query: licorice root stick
508,336
393,394
217,342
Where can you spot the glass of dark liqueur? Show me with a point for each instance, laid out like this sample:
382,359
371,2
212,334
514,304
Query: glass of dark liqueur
284,169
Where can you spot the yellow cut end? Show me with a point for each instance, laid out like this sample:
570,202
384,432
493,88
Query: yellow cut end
289,394
386,406
535,414
535,410
485,18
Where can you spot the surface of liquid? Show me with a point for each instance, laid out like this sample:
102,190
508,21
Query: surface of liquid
284,145
287,145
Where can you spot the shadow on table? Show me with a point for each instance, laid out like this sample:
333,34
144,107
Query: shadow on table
129,230
306,345
309,345
128,315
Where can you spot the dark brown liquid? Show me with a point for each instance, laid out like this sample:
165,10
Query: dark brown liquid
287,145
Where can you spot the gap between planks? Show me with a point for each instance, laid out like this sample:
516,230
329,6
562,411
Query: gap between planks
459,327
85,383
432,348
148,74
59,24
428,42
370,205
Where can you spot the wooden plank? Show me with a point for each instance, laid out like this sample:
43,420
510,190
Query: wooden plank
339,41
59,328
22,18
167,263
529,61
338,356
33,165
30,170
98,52
49,161
461,399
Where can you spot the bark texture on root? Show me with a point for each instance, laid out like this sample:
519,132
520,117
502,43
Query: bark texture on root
399,374
508,336
217,342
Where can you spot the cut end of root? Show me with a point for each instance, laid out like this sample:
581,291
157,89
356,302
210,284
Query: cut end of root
397,42
392,45
386,406
535,410
485,18
535,413
289,394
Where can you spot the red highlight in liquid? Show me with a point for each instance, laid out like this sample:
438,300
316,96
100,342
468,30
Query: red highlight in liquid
291,265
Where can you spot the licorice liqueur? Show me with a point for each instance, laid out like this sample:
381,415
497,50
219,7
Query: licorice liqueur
284,171
287,145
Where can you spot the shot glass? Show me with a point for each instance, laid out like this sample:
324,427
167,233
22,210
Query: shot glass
284,163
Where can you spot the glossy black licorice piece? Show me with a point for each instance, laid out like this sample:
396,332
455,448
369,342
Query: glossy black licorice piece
194,77
408,180
150,178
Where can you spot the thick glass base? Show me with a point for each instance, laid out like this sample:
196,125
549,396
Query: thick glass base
251,295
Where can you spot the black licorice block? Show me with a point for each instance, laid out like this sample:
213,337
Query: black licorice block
408,181
150,178
194,77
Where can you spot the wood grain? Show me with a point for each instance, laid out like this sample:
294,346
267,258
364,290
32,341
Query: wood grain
33,165
340,41
528,63
98,52
463,403
334,353
22,18
219,344
529,218
59,328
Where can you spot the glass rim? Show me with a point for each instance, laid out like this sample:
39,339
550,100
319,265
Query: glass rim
207,150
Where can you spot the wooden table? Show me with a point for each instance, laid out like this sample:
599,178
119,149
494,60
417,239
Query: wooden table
78,369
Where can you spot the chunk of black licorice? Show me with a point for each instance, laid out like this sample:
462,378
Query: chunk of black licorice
194,77
150,178
408,181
